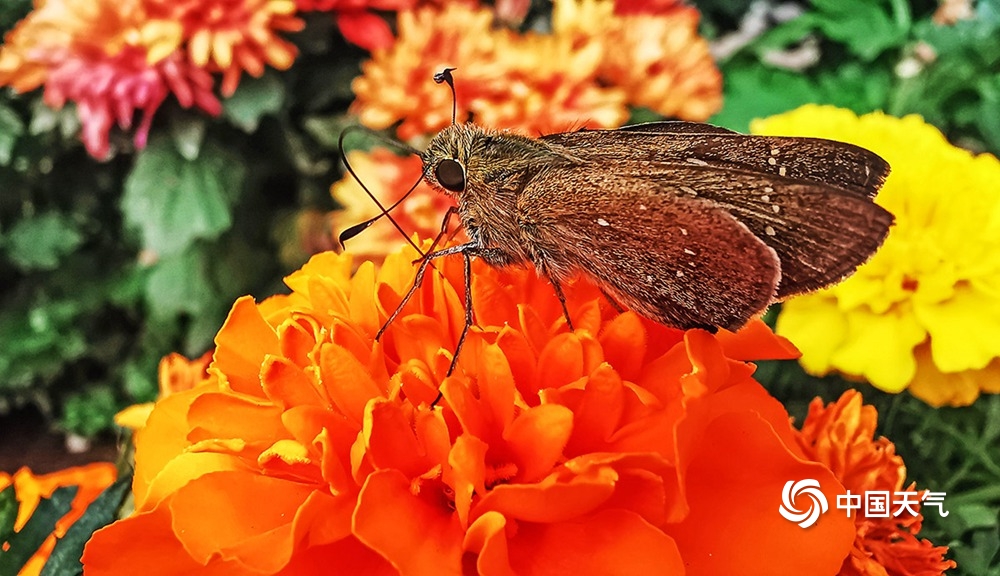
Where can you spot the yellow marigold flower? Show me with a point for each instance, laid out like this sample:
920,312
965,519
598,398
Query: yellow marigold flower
233,37
388,176
529,83
657,57
924,313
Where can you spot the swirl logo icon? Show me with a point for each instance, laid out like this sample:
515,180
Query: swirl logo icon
808,488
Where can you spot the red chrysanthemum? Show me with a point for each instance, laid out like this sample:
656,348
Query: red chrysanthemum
110,59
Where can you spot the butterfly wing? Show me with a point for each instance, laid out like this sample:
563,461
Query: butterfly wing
679,260
809,199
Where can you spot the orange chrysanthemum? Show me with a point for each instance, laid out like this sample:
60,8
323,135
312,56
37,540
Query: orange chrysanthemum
110,58
530,83
388,177
177,374
651,50
624,446
841,436
233,37
92,479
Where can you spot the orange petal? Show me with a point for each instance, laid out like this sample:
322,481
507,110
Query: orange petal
241,345
418,534
608,542
598,411
391,439
224,416
468,462
554,499
624,343
537,438
287,385
756,341
347,382
211,518
146,544
163,438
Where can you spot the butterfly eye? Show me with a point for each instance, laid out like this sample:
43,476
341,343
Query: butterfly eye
450,174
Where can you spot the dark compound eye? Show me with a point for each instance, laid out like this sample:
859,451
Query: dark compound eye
450,174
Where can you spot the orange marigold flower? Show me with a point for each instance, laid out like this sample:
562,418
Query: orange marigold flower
29,489
233,36
388,177
176,374
623,446
530,83
841,436
107,56
658,58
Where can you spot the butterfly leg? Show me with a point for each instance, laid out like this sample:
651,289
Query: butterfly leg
444,230
562,300
419,279
467,256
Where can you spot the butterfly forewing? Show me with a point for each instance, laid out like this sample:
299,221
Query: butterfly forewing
826,162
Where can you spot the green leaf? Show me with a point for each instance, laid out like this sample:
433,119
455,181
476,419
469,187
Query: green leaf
11,128
65,557
25,543
173,201
90,412
755,91
188,132
179,284
863,25
8,512
38,243
254,99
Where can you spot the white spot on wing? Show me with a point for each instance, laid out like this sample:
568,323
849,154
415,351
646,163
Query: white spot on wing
775,208
684,232
689,252
782,171
768,189
774,151
769,231
765,198
772,161
649,278
642,206
603,222
689,190
680,274
697,162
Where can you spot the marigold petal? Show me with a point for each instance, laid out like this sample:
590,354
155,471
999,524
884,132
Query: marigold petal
963,329
217,415
289,385
417,535
607,542
241,345
554,499
468,462
624,341
392,443
258,536
347,382
756,341
145,542
134,417
537,438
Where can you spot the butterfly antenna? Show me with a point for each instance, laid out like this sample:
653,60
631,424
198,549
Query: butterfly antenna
383,211
445,76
